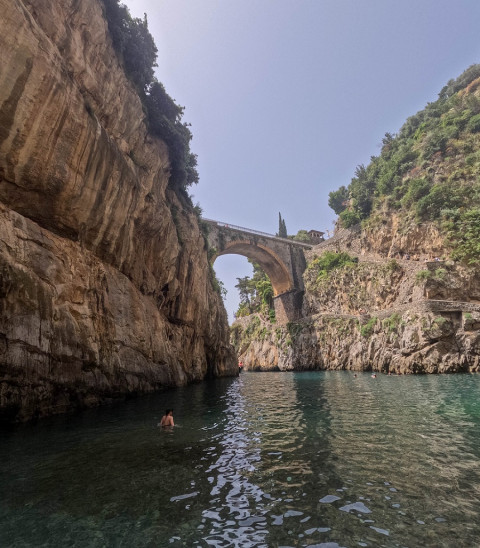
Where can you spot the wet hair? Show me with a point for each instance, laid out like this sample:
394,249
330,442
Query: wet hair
167,411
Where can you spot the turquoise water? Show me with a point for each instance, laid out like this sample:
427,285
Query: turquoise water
266,459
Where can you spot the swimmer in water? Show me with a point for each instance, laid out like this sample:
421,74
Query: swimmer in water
167,419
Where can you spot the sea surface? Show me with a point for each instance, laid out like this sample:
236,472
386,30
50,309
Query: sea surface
321,459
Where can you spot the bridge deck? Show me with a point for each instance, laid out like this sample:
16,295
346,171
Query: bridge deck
258,233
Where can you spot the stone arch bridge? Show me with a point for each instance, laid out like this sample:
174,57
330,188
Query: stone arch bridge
282,259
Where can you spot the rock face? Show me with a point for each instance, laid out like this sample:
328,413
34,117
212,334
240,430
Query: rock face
105,286
443,339
383,314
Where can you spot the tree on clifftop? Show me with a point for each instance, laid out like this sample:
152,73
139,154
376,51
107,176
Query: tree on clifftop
137,52
282,227
338,199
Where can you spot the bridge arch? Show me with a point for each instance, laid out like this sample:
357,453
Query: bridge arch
282,260
266,258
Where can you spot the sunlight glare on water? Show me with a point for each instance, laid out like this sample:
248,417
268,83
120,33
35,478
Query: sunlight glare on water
319,459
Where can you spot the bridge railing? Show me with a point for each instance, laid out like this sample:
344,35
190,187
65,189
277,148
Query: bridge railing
257,232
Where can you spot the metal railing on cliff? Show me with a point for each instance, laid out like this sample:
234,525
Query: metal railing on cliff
257,232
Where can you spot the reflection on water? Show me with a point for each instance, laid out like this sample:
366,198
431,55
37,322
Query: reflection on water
266,459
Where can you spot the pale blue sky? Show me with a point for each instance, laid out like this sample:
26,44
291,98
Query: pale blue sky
287,97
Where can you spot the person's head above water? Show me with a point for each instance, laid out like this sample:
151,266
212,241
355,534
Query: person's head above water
167,419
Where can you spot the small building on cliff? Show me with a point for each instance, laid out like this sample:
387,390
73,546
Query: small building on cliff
316,236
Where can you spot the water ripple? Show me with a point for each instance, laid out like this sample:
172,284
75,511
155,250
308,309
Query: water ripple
265,460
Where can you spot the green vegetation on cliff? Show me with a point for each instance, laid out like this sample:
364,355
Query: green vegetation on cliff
339,283
328,261
256,294
301,236
430,170
137,52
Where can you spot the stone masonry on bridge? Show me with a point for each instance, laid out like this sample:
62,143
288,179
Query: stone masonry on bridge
282,259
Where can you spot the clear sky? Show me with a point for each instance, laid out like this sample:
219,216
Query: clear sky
287,97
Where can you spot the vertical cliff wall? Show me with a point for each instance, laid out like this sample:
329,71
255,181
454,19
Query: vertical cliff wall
105,287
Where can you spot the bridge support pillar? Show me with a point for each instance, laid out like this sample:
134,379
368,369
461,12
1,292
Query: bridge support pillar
288,306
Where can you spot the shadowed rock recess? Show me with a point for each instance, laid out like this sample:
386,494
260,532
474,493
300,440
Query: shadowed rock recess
105,286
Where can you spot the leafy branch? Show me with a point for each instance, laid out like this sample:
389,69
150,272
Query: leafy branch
137,52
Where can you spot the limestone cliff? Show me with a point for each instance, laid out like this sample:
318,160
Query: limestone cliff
379,313
440,339
105,286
